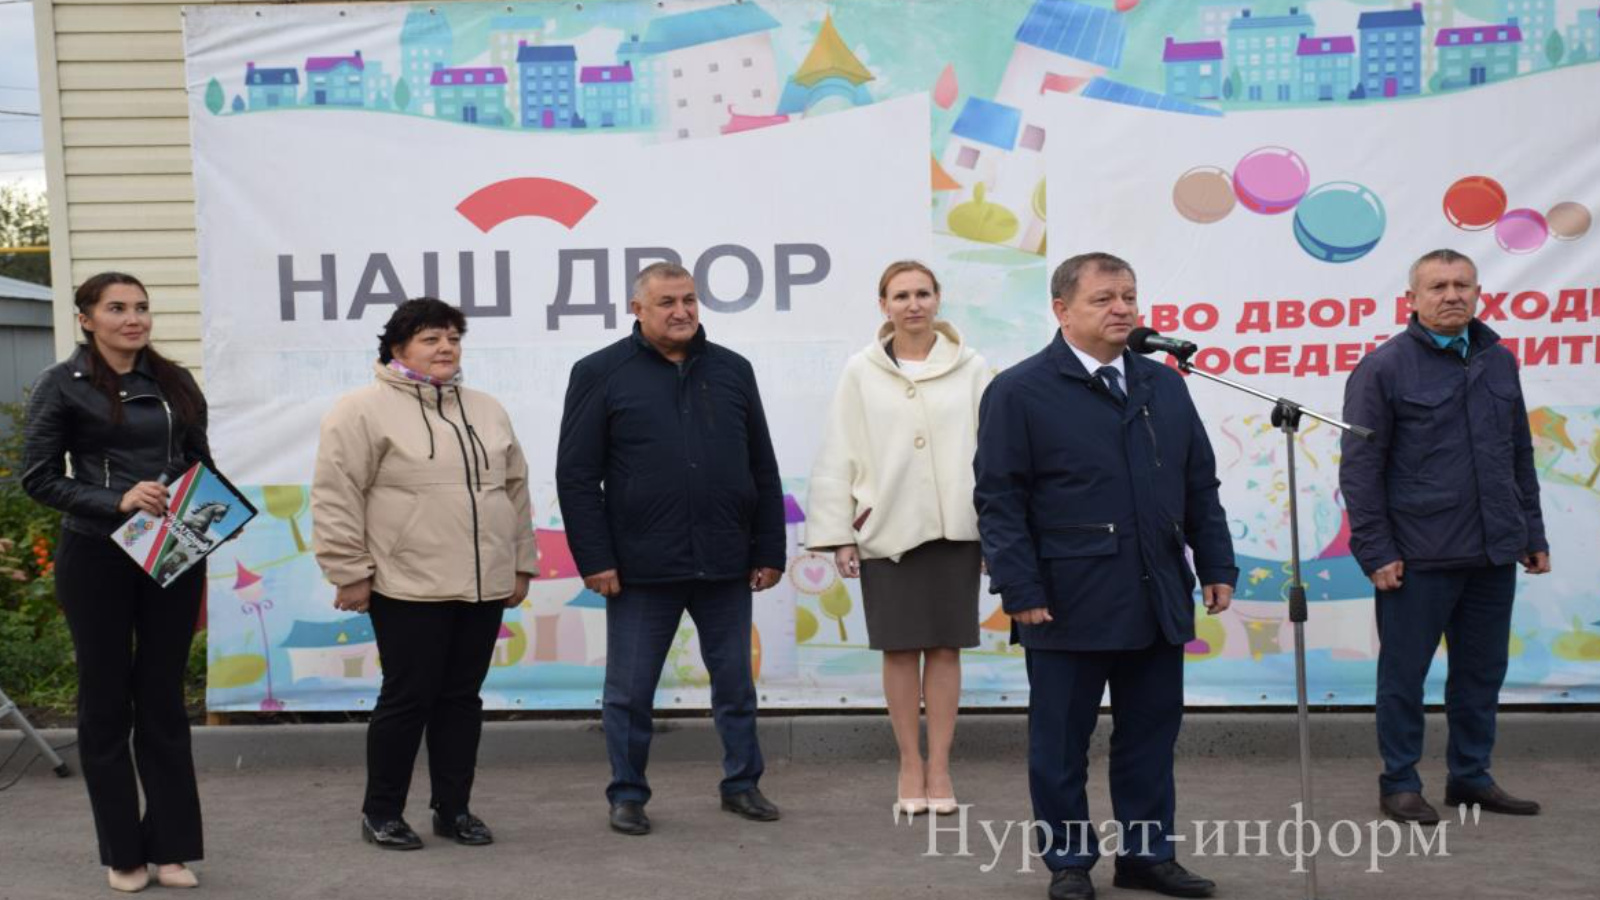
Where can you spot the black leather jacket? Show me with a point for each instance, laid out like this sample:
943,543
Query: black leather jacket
70,420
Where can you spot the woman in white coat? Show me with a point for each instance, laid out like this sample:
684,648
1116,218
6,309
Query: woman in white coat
891,496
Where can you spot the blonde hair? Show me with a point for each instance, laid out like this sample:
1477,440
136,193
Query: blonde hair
900,267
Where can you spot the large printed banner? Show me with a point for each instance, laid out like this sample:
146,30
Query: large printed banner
525,162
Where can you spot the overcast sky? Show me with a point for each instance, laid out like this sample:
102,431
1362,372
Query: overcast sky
21,158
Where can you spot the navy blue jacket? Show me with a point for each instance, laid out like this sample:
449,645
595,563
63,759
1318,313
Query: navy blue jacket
666,472
1448,478
1085,506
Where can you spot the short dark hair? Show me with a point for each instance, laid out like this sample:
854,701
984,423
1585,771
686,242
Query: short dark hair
1064,282
1443,255
415,316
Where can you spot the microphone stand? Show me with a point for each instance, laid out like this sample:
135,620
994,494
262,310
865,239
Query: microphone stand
1286,417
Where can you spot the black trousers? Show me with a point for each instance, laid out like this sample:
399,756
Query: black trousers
132,640
435,657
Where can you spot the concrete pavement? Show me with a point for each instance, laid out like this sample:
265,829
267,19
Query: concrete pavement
289,829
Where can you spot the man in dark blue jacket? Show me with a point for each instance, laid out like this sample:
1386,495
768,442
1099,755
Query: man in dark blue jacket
670,492
1443,502
1093,473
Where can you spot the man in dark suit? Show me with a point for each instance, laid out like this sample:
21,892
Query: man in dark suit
670,492
1093,473
1444,502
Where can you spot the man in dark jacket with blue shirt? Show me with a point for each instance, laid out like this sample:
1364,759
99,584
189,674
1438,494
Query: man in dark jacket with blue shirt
670,492
1443,503
1093,474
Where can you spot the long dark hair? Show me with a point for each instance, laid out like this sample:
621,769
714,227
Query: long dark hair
176,385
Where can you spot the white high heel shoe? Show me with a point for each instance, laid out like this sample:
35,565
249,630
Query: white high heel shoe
943,806
910,807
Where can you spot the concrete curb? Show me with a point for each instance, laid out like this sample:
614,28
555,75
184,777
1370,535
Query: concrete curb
823,739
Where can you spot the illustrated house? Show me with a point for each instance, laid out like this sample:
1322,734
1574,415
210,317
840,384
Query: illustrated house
1537,19
1583,36
1327,68
607,95
271,88
546,78
1477,55
646,66
380,86
1263,51
831,77
711,59
425,42
472,95
1391,52
1060,47
343,649
1213,17
335,81
508,34
1194,70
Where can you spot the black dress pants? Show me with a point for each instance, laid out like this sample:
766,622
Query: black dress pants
132,639
435,656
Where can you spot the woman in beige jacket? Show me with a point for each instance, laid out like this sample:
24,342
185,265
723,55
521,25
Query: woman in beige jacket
891,496
421,519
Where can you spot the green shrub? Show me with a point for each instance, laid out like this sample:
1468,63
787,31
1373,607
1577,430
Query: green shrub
37,668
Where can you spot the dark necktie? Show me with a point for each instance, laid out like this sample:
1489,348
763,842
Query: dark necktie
1458,346
1111,377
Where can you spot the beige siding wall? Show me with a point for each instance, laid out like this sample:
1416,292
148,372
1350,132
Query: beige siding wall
117,158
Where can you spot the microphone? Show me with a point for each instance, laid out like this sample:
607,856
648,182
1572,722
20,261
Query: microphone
1148,340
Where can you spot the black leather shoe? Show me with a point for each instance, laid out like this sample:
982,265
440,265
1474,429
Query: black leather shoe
1071,884
1491,799
751,805
1408,806
464,828
628,817
1164,878
389,834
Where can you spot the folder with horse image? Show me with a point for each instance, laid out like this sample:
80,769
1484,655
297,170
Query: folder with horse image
203,511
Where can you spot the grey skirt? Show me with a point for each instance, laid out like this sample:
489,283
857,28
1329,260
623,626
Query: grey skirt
927,600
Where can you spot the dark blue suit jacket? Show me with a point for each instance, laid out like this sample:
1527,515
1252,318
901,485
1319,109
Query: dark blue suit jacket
1448,478
665,472
1085,506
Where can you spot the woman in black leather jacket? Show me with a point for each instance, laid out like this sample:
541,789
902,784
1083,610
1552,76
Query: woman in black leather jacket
127,420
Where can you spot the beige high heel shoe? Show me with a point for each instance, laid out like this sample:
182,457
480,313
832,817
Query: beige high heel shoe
910,807
181,877
943,806
129,881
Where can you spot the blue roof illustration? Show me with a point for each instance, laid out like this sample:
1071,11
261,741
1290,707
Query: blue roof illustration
1093,34
1127,95
988,122
423,26
547,53
352,630
704,26
254,75
587,599
1297,20
1390,18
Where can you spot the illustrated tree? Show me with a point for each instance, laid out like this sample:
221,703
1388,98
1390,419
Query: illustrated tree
835,603
1555,48
238,103
215,97
805,625
287,502
402,95
24,222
